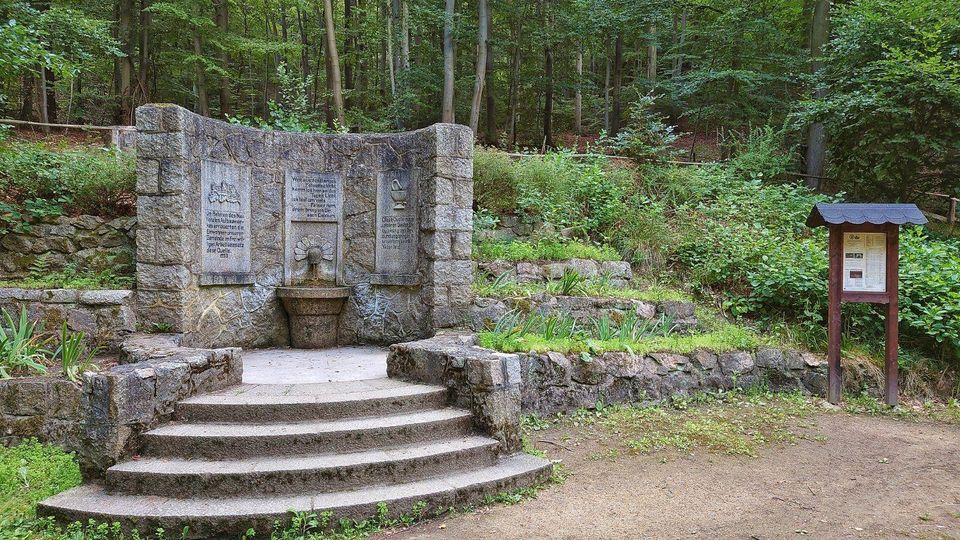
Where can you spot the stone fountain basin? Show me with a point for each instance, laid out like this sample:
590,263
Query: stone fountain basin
314,313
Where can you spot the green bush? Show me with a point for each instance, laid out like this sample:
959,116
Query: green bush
585,194
38,180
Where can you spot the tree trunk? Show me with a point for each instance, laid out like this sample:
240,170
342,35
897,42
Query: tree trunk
348,51
678,63
125,33
221,8
44,116
514,88
578,95
391,61
481,65
203,102
652,54
333,61
143,75
489,74
617,84
448,63
606,87
405,35
361,63
816,137
26,109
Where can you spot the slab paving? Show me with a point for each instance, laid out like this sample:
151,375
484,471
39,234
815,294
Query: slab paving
307,366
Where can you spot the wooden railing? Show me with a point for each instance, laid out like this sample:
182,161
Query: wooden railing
951,215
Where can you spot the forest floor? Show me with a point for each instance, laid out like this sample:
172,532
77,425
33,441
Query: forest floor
844,476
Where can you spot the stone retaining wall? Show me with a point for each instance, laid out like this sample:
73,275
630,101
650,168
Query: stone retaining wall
485,312
618,272
497,387
105,316
88,242
484,381
102,418
554,382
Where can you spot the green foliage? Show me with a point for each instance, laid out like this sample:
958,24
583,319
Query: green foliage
29,473
746,241
560,190
22,347
74,356
893,106
71,278
291,111
541,250
647,137
516,332
41,181
569,284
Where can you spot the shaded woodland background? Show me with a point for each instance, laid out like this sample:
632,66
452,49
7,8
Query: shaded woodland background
865,93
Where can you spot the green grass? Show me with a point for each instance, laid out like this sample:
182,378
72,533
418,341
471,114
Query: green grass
724,338
31,472
595,287
739,422
72,280
543,250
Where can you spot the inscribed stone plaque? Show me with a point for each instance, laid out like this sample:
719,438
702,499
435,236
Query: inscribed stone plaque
224,223
397,225
314,196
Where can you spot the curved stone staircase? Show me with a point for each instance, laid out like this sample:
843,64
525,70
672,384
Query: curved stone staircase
246,456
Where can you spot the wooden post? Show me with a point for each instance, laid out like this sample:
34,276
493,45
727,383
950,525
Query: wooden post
952,214
835,282
891,371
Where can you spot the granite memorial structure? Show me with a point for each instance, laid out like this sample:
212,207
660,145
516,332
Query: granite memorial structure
366,237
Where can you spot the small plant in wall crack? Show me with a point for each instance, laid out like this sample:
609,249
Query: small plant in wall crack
74,356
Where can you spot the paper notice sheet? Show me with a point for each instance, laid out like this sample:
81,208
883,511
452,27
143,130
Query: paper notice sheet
865,262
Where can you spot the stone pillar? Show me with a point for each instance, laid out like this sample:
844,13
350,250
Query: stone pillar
447,226
163,231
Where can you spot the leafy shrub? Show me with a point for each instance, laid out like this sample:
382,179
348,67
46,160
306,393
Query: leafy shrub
647,136
587,195
39,181
893,110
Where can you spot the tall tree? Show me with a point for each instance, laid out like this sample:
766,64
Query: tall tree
223,24
447,111
652,53
578,94
617,86
548,80
481,68
816,135
333,63
489,77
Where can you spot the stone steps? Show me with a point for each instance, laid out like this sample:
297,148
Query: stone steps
222,441
316,402
297,474
246,456
210,517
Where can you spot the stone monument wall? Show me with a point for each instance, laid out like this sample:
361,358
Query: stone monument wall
226,214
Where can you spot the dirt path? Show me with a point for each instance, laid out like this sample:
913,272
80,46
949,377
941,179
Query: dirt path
869,478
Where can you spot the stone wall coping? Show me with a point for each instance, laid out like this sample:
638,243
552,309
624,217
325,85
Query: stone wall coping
93,297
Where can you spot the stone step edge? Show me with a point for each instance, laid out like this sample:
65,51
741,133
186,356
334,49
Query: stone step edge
272,464
269,410
211,517
236,441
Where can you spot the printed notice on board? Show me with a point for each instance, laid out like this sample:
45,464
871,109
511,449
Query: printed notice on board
865,262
